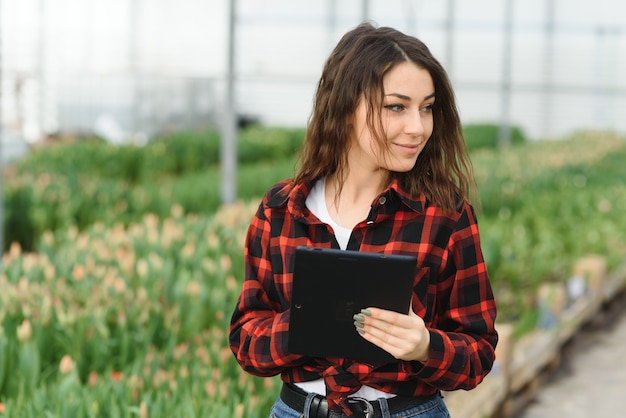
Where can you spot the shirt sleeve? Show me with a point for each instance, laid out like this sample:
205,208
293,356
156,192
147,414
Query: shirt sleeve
260,324
462,344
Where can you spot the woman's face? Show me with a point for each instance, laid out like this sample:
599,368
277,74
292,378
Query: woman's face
406,117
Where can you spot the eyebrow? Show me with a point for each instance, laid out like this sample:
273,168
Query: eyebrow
407,98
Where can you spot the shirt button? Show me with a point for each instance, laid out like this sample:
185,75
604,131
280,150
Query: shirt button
382,200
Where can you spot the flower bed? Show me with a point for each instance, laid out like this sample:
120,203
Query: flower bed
127,315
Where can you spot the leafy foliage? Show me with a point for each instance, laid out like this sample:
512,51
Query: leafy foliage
118,282
485,136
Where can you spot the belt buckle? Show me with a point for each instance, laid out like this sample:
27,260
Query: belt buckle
368,409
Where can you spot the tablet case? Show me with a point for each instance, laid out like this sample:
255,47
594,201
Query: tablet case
330,286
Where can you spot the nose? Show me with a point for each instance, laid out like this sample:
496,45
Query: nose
413,124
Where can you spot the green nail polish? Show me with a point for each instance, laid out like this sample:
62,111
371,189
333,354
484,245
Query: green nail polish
358,324
366,312
360,331
358,318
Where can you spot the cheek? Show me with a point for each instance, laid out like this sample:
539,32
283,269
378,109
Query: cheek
392,128
429,126
374,147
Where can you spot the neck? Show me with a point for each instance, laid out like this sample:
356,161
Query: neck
349,202
355,187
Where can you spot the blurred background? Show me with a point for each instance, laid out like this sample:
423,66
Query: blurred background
126,125
132,69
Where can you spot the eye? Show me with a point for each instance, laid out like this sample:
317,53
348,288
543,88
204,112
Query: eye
395,107
428,108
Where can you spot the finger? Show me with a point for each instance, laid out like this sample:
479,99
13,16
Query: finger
407,330
401,336
404,344
399,348
391,330
392,324
382,335
381,318
381,344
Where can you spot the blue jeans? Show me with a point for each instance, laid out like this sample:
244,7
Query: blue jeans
434,408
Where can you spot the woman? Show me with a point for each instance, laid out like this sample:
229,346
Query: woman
383,168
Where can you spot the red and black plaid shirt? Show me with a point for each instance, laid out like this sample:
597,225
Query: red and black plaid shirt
452,293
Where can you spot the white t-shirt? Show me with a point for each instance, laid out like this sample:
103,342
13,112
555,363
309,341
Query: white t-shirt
316,202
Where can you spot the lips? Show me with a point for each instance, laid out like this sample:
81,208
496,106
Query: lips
410,148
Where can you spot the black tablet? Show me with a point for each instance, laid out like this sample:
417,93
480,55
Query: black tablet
330,286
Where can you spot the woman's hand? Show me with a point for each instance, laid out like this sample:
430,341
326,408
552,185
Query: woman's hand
403,336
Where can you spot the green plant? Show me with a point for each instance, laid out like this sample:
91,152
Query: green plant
485,136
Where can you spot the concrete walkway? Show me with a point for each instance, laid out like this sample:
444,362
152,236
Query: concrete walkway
591,380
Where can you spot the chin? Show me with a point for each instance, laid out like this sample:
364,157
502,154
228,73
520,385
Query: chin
399,165
402,168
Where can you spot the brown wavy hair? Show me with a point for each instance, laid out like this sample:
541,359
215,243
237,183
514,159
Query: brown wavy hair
355,70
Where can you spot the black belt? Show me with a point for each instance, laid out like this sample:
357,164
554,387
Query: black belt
295,398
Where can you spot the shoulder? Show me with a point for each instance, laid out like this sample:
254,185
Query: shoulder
274,198
462,216
278,194
285,196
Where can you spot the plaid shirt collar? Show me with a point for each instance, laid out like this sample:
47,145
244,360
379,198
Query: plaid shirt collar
388,201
